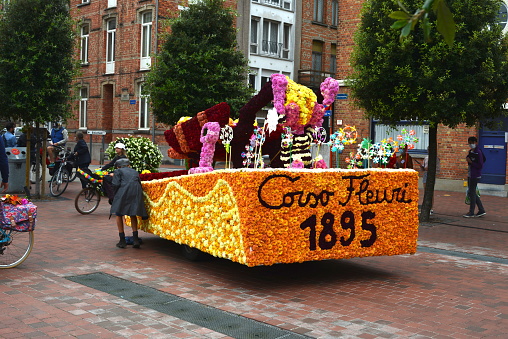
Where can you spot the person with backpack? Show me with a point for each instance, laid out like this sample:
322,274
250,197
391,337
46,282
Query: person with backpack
59,136
475,160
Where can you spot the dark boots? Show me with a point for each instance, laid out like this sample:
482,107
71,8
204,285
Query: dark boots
135,240
121,243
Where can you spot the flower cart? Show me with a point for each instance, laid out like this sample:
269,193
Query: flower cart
267,216
297,210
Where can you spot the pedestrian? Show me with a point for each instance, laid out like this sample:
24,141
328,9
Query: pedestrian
81,156
475,160
9,137
4,167
128,200
59,136
120,153
404,160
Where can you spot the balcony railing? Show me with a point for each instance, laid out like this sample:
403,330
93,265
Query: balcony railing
274,48
313,78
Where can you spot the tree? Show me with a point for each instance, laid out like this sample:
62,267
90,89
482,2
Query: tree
36,62
431,81
199,65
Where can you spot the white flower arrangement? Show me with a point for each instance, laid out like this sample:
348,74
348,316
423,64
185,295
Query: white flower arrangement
143,154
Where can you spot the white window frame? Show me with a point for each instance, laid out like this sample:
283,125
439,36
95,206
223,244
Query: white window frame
85,1
144,109
84,43
254,35
319,7
271,30
286,41
111,3
146,40
83,107
110,45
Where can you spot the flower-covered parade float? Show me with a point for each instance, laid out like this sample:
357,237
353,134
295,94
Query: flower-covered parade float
288,209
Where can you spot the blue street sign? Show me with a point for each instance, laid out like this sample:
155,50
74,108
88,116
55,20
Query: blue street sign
132,101
341,96
327,113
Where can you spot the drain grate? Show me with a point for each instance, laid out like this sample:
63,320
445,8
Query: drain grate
202,315
465,255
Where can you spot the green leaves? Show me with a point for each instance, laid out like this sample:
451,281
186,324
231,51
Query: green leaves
37,62
445,22
406,22
199,65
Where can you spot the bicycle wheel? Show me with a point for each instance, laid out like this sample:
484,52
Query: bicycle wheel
87,200
15,247
33,173
58,183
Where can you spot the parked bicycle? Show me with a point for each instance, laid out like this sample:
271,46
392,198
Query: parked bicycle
71,168
60,175
88,198
15,246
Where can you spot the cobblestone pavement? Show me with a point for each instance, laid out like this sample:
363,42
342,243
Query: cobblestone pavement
426,295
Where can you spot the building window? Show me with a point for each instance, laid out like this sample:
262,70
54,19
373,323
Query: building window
83,107
85,31
252,81
110,46
286,4
286,40
264,80
317,62
146,40
335,12
144,109
318,10
333,58
382,132
111,3
270,43
502,16
254,35
85,1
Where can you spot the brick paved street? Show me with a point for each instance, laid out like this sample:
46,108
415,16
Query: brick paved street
427,295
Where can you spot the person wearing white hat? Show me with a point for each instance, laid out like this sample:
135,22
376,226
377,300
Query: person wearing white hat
121,153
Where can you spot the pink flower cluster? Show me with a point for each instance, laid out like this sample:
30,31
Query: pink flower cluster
329,88
209,135
279,85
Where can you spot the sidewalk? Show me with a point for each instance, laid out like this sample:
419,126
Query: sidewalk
425,295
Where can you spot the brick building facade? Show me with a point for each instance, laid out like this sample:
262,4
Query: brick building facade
319,44
117,39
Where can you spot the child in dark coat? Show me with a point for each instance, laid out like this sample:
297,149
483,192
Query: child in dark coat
128,200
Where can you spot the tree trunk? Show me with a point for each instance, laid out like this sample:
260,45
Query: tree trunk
431,175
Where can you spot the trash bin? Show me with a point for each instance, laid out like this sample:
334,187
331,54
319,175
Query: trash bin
17,168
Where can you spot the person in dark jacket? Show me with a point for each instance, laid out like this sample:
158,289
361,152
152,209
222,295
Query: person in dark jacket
128,200
475,159
81,156
120,153
4,167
